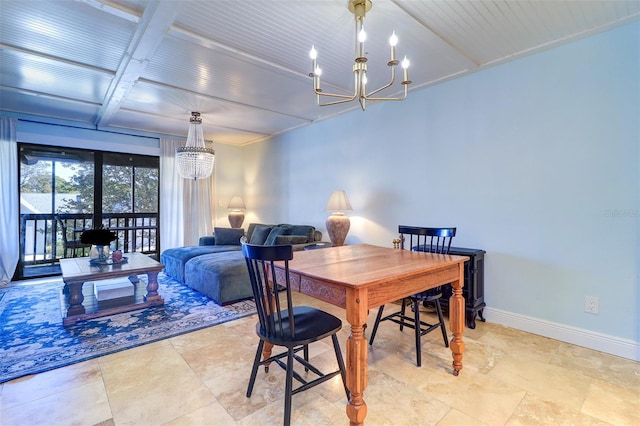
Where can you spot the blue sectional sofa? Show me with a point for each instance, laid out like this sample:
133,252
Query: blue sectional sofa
216,267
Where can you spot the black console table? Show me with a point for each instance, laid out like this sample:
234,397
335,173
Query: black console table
473,289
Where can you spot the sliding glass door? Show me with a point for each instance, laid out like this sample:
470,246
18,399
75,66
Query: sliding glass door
130,189
49,200
61,195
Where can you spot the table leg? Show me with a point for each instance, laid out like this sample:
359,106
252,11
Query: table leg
75,299
456,321
152,288
267,349
357,348
266,354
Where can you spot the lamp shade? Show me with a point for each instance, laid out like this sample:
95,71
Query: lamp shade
236,203
338,202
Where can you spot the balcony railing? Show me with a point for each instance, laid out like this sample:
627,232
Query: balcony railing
42,242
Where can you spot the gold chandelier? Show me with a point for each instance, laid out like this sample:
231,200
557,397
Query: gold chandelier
195,160
359,8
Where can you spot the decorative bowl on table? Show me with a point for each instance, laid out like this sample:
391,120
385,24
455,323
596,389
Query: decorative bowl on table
99,238
108,261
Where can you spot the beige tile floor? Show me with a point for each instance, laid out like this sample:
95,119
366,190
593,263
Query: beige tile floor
509,378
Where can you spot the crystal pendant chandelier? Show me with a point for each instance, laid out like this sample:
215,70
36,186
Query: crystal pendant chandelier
195,160
359,8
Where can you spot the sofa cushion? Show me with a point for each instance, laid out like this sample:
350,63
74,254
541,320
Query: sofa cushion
306,230
252,226
174,259
275,232
228,236
207,240
222,277
260,234
291,239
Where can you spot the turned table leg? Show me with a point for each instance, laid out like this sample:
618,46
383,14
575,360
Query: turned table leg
357,348
152,288
75,299
267,349
456,320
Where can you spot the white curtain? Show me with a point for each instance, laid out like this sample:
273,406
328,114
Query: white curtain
9,202
187,208
171,196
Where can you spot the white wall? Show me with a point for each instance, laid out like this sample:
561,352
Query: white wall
535,161
76,137
229,172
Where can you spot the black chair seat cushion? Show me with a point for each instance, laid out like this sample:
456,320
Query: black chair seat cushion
311,324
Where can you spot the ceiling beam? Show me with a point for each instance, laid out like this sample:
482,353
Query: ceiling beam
115,10
154,24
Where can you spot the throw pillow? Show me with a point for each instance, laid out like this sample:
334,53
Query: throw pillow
306,230
275,231
283,240
260,234
228,236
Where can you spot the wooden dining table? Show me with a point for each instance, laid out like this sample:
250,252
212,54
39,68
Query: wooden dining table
362,277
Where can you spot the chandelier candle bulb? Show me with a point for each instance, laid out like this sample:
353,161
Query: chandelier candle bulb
313,54
315,69
393,40
405,67
362,37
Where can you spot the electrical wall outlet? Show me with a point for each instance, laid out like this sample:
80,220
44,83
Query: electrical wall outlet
591,305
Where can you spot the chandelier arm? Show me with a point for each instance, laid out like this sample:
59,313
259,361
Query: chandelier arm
336,102
337,95
402,98
387,99
393,79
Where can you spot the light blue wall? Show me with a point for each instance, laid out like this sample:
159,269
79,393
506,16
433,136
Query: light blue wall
536,161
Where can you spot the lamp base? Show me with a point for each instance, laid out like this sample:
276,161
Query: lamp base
338,228
236,219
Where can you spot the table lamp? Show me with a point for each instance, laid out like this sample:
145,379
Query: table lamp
236,216
338,224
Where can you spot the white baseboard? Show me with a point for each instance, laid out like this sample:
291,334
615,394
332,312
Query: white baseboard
589,339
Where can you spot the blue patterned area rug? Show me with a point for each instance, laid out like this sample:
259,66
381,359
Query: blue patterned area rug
33,340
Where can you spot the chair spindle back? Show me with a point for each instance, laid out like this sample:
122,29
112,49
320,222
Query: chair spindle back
266,286
434,240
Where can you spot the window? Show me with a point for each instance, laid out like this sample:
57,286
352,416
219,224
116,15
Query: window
61,195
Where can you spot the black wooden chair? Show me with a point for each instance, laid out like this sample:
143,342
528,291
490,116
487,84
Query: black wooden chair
292,327
434,240
68,244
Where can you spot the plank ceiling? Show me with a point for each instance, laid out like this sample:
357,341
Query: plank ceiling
144,65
